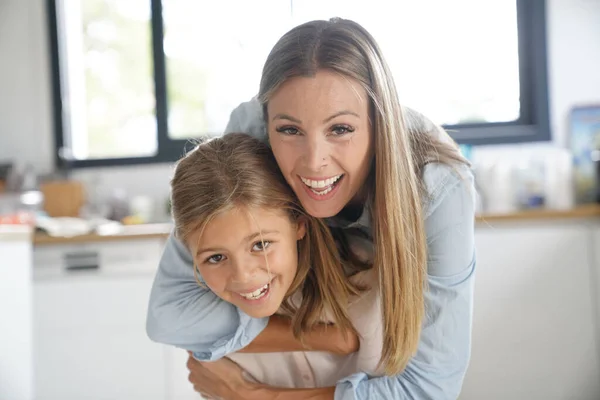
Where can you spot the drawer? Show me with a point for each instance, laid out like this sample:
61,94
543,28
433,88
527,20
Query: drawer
124,257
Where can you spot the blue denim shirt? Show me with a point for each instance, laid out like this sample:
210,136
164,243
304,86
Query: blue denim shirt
183,314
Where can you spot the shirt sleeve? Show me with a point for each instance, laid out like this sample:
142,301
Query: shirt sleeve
248,118
438,368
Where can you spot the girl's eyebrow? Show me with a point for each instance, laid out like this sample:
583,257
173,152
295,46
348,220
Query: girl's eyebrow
249,238
208,249
257,234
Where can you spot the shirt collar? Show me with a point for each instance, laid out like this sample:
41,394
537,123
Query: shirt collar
363,222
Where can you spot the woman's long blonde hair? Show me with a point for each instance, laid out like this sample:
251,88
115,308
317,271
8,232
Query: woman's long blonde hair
395,182
237,170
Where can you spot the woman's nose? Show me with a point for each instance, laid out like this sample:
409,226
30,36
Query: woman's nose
316,153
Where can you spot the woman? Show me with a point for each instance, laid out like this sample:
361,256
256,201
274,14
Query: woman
386,180
256,248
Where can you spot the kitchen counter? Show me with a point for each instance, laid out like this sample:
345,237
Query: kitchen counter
11,233
146,231
586,211
163,230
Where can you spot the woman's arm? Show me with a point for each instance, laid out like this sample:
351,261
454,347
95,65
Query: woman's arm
269,393
438,369
439,366
186,315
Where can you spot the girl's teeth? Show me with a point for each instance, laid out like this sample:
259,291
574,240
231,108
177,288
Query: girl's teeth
257,294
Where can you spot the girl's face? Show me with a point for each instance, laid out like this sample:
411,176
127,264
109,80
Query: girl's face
320,134
248,256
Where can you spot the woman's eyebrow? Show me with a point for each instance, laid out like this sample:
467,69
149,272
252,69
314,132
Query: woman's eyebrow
339,113
285,116
297,121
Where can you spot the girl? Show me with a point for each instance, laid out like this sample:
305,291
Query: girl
386,180
255,248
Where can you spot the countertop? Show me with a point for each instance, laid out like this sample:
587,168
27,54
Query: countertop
579,212
9,233
163,230
146,231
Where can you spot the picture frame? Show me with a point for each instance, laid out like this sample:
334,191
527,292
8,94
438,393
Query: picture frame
584,135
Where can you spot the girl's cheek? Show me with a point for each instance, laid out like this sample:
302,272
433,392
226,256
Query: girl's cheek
215,280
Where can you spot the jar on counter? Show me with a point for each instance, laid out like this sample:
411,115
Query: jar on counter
530,179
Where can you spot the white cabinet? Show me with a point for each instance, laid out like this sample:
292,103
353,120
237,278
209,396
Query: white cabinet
90,338
16,316
595,283
534,331
178,386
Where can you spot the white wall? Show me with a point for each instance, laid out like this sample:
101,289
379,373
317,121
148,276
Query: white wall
25,100
25,107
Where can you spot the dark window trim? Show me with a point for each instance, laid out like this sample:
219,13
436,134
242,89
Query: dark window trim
534,123
169,150
532,126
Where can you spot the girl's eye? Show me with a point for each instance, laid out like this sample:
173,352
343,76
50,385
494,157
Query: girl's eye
288,130
217,258
342,129
261,246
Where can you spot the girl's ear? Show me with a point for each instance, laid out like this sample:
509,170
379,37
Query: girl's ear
301,228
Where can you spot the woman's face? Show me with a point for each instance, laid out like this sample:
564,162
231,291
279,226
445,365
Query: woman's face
248,257
320,134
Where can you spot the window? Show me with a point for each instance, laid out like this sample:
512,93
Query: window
135,80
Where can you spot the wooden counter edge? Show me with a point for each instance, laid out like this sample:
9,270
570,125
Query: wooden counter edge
579,212
129,233
163,230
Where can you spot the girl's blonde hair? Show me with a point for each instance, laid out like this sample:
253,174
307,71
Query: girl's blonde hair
237,170
395,182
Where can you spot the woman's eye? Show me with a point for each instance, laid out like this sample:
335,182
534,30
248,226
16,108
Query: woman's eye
342,129
217,258
261,246
288,130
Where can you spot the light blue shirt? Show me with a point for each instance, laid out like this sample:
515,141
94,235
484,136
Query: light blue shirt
183,314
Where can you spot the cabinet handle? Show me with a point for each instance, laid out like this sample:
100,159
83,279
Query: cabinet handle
81,261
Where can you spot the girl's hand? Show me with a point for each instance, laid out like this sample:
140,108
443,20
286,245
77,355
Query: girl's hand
278,337
222,379
330,338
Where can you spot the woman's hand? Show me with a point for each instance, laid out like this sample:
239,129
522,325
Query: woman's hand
224,380
219,380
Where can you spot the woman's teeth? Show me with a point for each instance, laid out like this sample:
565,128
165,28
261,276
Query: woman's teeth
326,184
257,294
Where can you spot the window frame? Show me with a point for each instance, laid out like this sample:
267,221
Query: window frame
532,126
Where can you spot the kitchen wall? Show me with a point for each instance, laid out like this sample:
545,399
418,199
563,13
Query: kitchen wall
25,96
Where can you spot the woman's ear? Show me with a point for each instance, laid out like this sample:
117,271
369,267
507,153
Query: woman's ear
301,228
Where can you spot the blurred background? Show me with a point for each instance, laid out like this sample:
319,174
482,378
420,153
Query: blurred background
98,98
